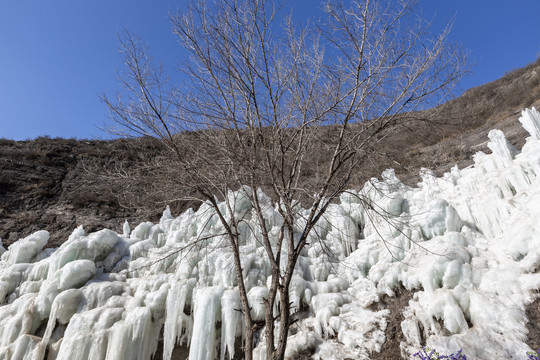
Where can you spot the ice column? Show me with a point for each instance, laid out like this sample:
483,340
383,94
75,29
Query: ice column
207,311
176,320
530,119
126,229
231,321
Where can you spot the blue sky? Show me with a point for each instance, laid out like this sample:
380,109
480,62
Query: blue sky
58,56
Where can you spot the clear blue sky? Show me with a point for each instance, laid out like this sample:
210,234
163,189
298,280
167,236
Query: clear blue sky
58,56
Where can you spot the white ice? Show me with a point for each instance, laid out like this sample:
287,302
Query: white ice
467,244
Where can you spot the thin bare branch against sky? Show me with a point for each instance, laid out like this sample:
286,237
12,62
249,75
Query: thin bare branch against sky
57,57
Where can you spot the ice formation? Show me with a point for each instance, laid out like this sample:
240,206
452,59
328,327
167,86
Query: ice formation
467,243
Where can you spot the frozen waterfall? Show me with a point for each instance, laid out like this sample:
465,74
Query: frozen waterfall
467,243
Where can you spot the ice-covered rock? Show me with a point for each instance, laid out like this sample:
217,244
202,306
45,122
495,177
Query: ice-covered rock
25,250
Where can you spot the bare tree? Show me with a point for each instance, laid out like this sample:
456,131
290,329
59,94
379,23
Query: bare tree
292,110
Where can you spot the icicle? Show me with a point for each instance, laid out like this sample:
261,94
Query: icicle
503,150
126,229
176,321
39,352
133,338
207,312
63,308
530,119
231,321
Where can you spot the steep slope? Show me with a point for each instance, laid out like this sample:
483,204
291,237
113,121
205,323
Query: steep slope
58,184
466,247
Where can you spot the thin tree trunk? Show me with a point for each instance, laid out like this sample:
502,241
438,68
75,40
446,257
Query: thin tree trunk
285,311
269,315
246,311
284,300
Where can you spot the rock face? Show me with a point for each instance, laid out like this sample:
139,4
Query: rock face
58,184
53,184
31,181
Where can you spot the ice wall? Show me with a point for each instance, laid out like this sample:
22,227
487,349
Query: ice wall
467,243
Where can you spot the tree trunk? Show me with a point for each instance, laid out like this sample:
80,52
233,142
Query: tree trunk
269,315
248,346
285,315
246,311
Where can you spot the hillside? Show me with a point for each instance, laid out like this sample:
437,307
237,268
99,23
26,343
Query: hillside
451,264
58,184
